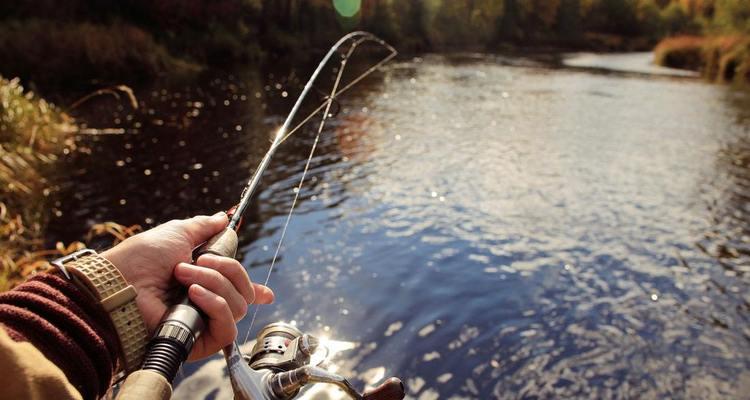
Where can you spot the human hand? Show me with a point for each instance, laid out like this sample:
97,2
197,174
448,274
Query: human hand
155,261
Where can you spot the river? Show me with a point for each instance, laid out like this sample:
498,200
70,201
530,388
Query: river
479,228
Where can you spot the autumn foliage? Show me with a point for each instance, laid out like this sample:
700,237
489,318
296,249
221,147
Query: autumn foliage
141,39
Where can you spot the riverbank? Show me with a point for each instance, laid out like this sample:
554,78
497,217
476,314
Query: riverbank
79,44
723,59
91,55
33,135
69,53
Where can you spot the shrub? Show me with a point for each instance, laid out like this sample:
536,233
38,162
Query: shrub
32,132
685,52
719,58
732,16
650,18
59,52
675,19
734,62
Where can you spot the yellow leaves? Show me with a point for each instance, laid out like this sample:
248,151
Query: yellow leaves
23,116
116,231
32,133
63,250
16,264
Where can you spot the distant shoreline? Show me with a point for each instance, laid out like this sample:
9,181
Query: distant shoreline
721,58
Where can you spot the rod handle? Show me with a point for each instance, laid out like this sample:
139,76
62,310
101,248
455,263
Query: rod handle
391,389
143,384
223,243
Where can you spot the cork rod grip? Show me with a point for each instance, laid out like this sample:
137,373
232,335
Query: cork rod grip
145,385
223,243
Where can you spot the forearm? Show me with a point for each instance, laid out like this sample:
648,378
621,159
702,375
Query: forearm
65,325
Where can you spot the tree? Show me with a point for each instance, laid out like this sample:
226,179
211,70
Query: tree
732,15
569,19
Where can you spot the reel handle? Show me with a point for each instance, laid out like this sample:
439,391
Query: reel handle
144,384
391,389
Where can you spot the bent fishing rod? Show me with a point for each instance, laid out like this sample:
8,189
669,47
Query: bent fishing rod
279,364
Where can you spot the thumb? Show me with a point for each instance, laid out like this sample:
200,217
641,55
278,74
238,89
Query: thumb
201,228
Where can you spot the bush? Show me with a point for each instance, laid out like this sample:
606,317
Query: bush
734,62
32,132
58,52
684,52
719,58
732,16
611,16
26,120
650,18
676,20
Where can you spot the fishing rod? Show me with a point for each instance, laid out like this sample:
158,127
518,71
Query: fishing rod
279,364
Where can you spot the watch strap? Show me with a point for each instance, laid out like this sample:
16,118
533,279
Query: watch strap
104,282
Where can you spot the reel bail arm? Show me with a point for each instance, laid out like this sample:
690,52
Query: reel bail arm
278,368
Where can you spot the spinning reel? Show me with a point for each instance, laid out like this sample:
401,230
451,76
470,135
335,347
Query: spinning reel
279,366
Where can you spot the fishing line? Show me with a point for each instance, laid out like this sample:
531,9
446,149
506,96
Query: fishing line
254,181
326,114
343,89
298,190
183,323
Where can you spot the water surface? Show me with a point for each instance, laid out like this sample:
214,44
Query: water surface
478,229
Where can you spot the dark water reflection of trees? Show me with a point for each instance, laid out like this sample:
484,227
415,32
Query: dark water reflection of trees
188,149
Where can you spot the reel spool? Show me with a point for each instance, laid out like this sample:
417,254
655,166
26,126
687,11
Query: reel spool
279,366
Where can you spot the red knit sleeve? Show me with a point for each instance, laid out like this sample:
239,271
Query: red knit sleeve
68,327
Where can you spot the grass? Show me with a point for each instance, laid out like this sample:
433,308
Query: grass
33,133
719,58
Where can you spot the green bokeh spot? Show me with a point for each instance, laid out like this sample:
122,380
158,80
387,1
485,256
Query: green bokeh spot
347,8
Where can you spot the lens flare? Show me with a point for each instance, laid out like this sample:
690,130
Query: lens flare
347,8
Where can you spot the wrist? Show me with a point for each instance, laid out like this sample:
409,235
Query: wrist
106,285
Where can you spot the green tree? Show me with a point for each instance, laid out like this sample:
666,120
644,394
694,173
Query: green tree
410,20
650,18
509,22
569,19
732,16
451,25
378,18
676,19
611,16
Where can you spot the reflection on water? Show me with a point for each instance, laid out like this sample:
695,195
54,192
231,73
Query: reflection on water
480,230
639,63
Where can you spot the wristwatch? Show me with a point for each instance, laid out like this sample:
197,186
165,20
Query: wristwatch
101,280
